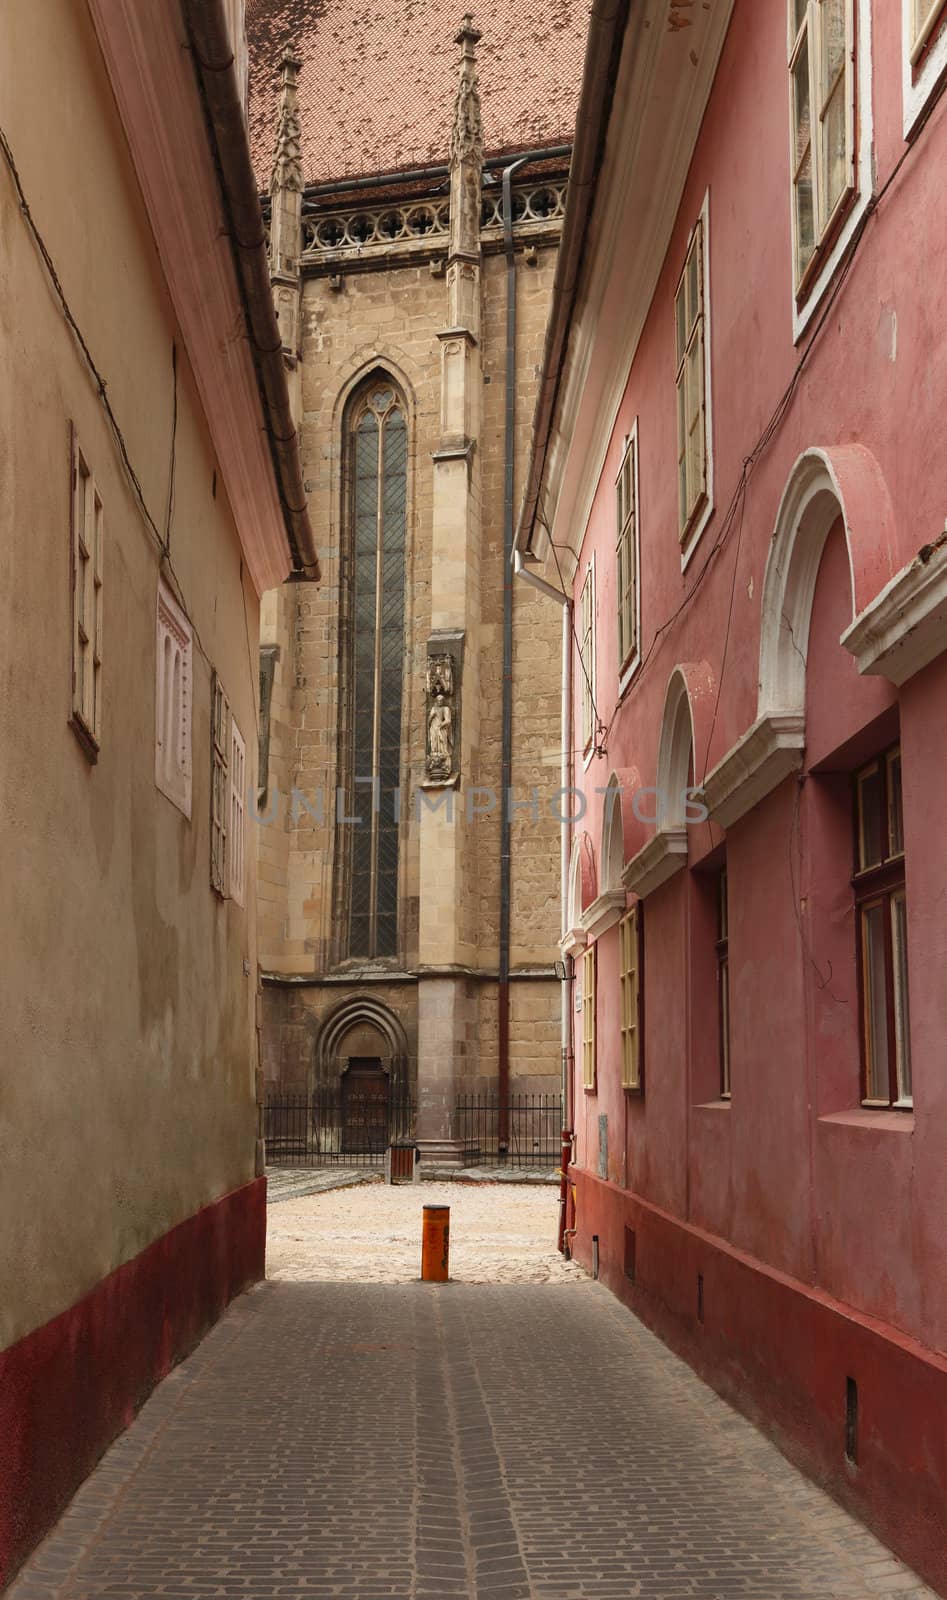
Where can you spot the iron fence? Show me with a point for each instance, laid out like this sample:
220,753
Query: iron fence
331,1128
523,1131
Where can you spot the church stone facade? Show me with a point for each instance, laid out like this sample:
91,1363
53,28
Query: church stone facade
403,935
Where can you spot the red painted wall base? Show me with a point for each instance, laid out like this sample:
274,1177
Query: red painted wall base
783,1353
70,1387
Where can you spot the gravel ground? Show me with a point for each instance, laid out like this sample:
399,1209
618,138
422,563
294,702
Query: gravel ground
372,1234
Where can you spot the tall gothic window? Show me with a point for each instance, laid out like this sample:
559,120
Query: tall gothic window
377,453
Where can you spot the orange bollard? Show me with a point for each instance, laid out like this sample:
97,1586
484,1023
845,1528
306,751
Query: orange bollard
435,1244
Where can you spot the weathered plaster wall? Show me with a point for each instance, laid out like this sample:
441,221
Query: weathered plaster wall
127,1037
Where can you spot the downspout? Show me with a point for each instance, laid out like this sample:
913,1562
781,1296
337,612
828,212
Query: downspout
506,743
209,36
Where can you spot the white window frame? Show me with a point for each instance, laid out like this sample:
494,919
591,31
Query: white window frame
588,1017
632,660
629,970
173,693
922,73
219,789
690,536
587,675
238,802
819,280
88,520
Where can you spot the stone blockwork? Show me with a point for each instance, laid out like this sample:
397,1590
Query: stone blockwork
437,329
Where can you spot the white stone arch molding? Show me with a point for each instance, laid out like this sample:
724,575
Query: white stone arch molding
665,854
609,903
773,747
575,937
351,1013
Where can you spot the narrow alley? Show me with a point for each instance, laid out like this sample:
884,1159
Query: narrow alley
391,1439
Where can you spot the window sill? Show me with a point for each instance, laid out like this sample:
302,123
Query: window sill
714,1105
90,745
882,1119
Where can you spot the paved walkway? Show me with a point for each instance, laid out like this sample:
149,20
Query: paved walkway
371,1441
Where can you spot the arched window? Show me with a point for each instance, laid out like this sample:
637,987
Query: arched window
376,452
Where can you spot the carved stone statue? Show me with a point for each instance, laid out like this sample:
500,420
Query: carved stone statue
439,682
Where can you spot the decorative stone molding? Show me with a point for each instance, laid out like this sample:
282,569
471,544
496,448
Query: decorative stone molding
603,913
466,139
663,856
287,170
905,626
415,226
759,761
573,942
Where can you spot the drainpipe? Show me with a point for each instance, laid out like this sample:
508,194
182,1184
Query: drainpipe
209,36
506,748
530,576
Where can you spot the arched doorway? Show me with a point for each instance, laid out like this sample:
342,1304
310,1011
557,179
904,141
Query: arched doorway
365,1106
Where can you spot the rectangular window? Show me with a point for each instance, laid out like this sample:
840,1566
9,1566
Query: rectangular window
881,911
219,788
822,99
630,951
587,657
690,323
626,563
173,702
86,605
723,983
238,802
588,1018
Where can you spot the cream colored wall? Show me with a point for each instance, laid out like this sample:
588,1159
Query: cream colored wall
127,1029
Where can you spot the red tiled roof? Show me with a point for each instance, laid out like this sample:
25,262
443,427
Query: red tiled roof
378,80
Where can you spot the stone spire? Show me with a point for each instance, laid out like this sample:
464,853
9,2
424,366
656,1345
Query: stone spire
286,203
287,161
466,174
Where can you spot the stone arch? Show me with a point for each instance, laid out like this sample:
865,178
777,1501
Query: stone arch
824,485
581,891
613,836
363,1017
373,366
676,754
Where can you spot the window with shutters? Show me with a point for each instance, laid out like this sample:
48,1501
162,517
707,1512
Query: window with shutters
173,702
87,532
723,982
627,558
588,1018
373,628
238,804
925,59
823,111
219,788
587,657
692,346
630,947
881,922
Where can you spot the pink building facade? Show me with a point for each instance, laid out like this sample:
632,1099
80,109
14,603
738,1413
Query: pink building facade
737,481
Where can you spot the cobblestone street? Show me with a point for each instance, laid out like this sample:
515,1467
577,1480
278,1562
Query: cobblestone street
368,1440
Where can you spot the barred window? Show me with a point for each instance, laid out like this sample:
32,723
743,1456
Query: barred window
588,1018
627,553
86,605
822,97
630,949
368,847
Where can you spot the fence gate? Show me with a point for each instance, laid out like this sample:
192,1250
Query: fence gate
349,1125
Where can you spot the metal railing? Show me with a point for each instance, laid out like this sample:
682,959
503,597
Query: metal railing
331,1128
524,1131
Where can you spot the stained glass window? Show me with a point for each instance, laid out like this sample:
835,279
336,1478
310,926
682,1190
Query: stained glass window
378,472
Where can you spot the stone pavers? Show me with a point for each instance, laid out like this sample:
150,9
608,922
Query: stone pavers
290,1183
501,1442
